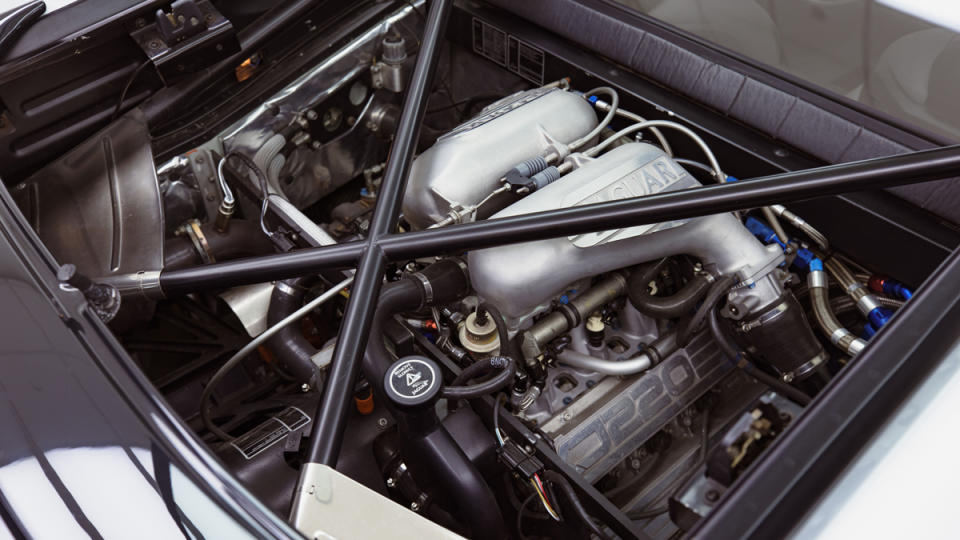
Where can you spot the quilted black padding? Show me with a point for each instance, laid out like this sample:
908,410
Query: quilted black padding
793,120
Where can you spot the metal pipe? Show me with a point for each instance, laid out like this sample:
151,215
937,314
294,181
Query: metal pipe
921,166
655,353
331,416
570,315
717,172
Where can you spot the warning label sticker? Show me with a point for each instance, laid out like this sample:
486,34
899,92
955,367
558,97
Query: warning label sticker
509,51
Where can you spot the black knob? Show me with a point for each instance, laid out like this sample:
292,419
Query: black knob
68,274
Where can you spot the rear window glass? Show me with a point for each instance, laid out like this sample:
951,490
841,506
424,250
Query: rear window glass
901,57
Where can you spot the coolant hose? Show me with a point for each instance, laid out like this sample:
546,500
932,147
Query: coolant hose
435,455
507,346
665,307
242,239
507,367
480,368
731,352
714,294
289,344
654,353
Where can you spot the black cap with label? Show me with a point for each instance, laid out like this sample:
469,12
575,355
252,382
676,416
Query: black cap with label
413,381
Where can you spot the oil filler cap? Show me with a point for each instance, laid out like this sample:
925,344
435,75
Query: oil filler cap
413,381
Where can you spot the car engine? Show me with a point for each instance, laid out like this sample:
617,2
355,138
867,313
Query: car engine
640,368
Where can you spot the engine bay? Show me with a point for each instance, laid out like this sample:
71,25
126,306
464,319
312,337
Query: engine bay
530,388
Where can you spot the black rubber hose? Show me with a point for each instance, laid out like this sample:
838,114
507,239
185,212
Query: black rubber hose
508,369
289,344
434,456
560,481
480,368
716,291
665,307
507,347
733,354
447,283
242,239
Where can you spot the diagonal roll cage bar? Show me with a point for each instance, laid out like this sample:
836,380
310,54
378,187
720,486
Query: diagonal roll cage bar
921,166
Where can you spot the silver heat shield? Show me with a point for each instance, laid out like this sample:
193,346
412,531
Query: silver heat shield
518,278
465,165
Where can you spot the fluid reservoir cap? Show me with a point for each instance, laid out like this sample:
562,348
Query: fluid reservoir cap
413,381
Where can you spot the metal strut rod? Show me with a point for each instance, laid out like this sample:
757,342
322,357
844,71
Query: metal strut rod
876,173
331,416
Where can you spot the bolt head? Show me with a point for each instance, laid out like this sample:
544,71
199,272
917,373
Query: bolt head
711,495
415,506
391,482
305,387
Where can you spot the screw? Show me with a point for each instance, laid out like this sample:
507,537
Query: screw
566,401
382,423
305,387
711,496
391,482
154,44
566,415
209,17
415,506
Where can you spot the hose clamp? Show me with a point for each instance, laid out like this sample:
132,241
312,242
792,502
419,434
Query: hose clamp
427,287
807,368
285,289
867,303
854,287
195,233
817,280
837,336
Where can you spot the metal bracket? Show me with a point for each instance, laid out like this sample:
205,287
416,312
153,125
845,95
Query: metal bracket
191,36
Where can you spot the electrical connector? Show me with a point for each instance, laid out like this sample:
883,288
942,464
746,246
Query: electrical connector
518,460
